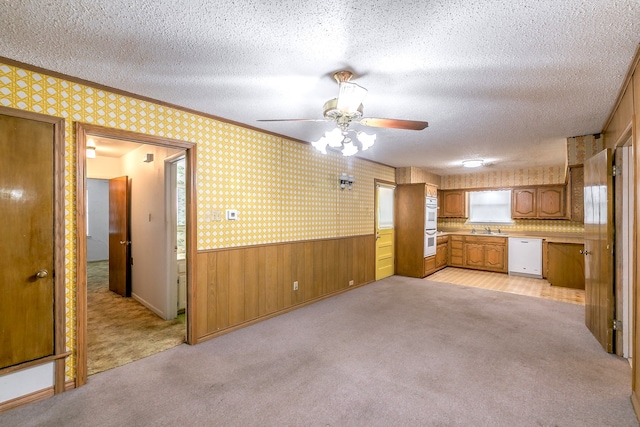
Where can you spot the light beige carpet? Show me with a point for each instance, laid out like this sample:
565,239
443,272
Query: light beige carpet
398,352
121,330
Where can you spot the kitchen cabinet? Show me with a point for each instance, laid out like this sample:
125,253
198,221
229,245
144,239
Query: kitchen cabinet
538,202
485,253
410,231
456,247
453,204
442,252
565,265
523,203
478,252
429,265
431,190
551,202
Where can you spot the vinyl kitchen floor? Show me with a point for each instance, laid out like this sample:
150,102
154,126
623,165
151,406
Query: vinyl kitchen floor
505,283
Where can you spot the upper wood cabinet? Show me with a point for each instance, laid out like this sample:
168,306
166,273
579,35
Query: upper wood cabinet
431,190
538,202
551,202
453,204
523,203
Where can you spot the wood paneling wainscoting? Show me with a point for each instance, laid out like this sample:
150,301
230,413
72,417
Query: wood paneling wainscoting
239,286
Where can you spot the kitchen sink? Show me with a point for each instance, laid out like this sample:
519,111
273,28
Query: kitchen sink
492,233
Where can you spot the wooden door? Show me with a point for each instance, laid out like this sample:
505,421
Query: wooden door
385,236
598,245
27,230
119,237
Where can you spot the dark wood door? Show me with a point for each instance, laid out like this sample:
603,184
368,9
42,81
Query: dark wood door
27,252
119,237
598,245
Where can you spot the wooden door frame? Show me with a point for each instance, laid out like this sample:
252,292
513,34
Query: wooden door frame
82,131
59,308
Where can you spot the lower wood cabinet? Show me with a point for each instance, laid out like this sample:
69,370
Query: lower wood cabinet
485,253
565,265
429,265
473,255
456,246
442,252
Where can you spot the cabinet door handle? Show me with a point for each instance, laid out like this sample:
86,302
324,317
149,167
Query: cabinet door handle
584,252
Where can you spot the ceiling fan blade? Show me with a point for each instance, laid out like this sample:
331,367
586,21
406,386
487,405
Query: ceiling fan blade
292,120
393,123
350,97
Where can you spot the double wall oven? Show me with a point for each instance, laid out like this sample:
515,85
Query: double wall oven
430,226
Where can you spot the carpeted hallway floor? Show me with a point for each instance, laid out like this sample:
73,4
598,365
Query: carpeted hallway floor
397,352
121,330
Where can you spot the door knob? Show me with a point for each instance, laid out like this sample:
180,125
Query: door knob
42,274
377,236
125,242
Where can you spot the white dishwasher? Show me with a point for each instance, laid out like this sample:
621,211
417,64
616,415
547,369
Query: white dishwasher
525,257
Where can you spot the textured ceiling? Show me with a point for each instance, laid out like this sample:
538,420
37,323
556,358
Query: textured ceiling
507,81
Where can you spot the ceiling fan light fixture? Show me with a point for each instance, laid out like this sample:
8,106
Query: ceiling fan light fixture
472,163
366,140
350,97
348,148
334,138
320,145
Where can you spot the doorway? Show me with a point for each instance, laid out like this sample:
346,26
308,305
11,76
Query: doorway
144,170
385,236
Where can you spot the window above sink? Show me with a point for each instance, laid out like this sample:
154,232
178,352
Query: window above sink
490,207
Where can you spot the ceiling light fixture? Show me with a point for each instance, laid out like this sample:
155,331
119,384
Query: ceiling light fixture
340,140
472,163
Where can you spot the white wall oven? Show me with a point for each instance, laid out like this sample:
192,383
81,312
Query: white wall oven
430,226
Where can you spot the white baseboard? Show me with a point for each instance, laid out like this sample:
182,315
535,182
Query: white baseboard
150,306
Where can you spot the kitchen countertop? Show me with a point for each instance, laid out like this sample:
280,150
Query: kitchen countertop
577,238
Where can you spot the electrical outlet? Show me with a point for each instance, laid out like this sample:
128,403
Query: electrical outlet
295,285
350,282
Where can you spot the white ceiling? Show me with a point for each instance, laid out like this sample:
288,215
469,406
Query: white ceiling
504,80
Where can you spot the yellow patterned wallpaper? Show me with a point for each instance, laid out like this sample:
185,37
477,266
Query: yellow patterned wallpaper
505,178
283,190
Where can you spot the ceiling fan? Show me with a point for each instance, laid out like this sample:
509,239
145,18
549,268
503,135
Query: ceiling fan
347,108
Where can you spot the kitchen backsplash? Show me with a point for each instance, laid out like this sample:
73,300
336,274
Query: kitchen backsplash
543,225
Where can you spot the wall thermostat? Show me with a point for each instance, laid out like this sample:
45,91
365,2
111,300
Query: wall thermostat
232,214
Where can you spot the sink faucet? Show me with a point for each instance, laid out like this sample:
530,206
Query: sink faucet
487,229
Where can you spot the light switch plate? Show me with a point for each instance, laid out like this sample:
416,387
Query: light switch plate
232,214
